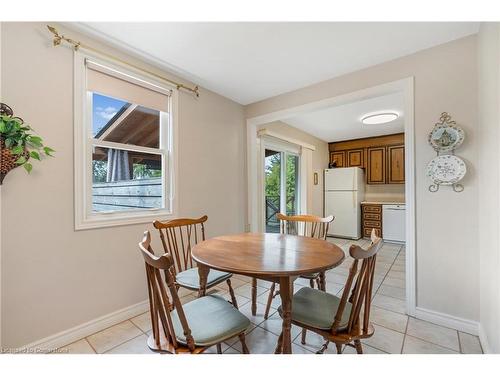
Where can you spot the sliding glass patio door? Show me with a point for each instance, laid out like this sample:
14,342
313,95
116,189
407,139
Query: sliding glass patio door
281,186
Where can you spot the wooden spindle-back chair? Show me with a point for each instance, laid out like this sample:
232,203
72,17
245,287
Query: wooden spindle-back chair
350,322
178,237
308,226
171,331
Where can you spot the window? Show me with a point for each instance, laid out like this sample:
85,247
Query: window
124,142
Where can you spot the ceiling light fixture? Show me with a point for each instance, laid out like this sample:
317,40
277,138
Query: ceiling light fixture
379,118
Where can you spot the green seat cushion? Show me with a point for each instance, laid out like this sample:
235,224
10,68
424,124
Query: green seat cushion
317,309
190,278
211,319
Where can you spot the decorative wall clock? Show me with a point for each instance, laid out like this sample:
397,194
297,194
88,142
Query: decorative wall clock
446,168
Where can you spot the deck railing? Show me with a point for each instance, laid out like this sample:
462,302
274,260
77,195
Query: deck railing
127,195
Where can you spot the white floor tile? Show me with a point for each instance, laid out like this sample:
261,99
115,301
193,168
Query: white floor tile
389,303
386,340
367,349
413,345
388,319
260,341
113,336
433,333
143,321
138,345
392,291
469,344
274,324
78,347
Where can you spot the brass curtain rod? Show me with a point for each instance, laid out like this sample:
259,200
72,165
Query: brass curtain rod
59,38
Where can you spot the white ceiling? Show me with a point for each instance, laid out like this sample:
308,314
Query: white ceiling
248,62
344,122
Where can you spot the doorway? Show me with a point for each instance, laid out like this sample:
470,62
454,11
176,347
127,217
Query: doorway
404,86
281,186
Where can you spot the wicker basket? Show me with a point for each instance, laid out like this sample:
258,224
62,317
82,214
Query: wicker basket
7,160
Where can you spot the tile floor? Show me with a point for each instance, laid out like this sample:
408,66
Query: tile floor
395,332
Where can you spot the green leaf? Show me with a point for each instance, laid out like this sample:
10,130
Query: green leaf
35,155
28,167
48,151
2,126
8,142
21,160
17,150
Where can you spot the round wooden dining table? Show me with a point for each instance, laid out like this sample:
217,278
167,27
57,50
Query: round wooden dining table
279,258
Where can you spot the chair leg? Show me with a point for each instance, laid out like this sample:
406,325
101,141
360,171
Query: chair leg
322,281
303,337
339,348
231,292
279,346
269,300
357,345
254,296
323,347
219,349
244,346
311,283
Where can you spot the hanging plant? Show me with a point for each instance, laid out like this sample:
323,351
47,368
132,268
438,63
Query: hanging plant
18,144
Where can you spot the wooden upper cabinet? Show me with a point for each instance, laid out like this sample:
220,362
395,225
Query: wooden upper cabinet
383,157
355,158
376,168
396,164
338,157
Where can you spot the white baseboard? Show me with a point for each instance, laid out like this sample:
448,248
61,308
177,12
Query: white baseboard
450,321
83,330
483,339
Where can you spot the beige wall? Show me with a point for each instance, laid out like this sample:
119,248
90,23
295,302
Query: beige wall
445,80
54,278
385,193
319,161
488,172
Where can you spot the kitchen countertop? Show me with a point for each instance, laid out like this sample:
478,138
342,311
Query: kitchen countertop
381,202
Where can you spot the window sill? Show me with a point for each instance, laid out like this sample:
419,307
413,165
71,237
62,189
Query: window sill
107,220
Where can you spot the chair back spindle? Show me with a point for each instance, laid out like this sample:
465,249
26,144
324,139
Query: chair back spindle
178,237
359,295
159,302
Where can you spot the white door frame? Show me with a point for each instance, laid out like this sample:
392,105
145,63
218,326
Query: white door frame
284,149
406,86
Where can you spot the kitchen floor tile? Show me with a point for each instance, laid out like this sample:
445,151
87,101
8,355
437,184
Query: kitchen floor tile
143,321
113,336
413,345
388,319
469,344
260,341
138,345
78,347
398,283
274,324
392,291
433,333
367,349
386,340
389,303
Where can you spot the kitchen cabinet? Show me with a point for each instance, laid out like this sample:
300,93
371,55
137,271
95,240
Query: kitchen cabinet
396,164
338,159
376,171
382,157
355,158
371,219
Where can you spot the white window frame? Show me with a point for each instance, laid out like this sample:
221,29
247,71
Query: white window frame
85,218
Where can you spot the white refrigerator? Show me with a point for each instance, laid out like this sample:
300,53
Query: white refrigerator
344,192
